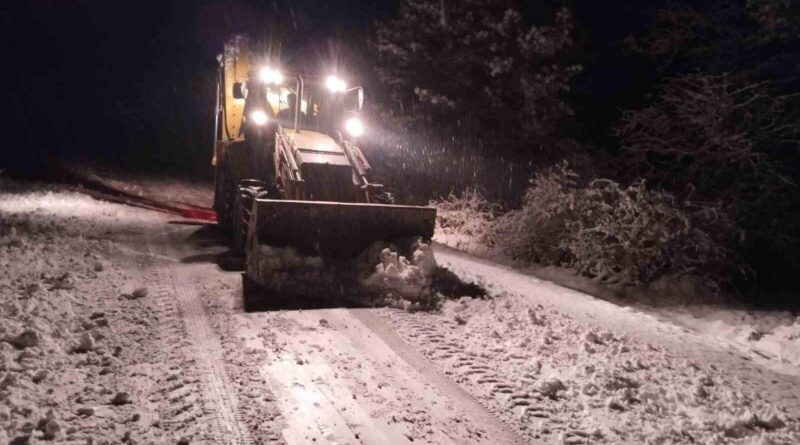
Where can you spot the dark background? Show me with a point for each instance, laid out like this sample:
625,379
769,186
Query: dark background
131,83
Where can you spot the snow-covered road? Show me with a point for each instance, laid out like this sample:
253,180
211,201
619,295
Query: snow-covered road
536,363
336,375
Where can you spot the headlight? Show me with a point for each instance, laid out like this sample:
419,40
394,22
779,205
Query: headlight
354,127
271,76
258,117
335,84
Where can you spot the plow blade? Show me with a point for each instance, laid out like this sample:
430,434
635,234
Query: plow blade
336,229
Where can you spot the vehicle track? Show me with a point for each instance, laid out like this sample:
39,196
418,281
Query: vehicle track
494,426
346,378
219,400
337,375
497,392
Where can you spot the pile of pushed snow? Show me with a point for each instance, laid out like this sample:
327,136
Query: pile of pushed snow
288,272
399,280
381,275
403,274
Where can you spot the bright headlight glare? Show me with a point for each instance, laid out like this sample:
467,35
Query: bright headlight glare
271,76
258,117
354,126
335,84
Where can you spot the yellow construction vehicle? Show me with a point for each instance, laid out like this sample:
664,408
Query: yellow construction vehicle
288,171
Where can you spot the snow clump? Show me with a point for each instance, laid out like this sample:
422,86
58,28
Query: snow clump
397,277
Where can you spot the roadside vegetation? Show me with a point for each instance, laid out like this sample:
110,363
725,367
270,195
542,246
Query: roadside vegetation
697,177
622,235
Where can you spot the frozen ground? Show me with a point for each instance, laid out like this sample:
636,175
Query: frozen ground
117,325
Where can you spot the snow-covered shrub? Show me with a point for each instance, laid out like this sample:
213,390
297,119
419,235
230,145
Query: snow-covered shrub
633,235
615,233
469,214
535,233
729,139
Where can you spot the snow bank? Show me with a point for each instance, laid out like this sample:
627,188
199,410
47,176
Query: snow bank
66,337
403,274
773,335
58,205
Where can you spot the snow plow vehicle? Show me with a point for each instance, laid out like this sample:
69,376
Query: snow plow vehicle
288,171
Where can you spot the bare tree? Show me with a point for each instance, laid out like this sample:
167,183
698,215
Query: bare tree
714,135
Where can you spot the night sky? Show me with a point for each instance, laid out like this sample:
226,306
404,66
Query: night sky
131,82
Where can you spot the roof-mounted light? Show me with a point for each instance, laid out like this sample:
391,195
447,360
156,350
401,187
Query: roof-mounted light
335,85
271,76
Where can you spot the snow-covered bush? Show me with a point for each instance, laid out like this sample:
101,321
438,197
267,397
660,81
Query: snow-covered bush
618,234
729,139
535,232
633,235
469,214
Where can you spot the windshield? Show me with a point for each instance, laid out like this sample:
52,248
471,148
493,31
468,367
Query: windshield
320,110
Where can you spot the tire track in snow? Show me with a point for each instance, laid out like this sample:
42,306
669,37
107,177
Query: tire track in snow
496,428
220,402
